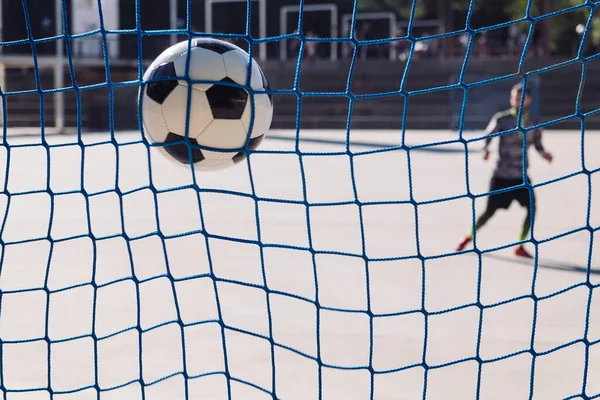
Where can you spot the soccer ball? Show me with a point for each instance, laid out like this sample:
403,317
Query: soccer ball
220,108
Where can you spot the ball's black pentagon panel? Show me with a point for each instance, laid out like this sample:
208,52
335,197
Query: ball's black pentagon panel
219,47
180,151
227,102
266,86
158,90
252,145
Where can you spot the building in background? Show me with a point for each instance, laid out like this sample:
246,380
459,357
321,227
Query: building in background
85,19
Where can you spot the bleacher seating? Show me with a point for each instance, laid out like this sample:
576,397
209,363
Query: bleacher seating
434,110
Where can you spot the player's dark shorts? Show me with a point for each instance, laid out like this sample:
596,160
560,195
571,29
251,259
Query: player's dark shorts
504,199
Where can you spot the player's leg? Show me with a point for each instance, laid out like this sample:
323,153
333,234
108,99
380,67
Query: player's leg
528,202
527,222
482,219
495,202
490,210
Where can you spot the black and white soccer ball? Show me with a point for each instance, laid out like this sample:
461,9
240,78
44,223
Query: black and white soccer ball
220,128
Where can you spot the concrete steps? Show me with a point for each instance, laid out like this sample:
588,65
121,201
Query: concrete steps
432,110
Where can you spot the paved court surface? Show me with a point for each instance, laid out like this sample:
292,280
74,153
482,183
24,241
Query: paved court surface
306,275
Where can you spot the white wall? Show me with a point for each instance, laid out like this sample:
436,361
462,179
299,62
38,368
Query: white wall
85,17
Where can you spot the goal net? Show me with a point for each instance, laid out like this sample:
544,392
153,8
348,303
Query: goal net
323,267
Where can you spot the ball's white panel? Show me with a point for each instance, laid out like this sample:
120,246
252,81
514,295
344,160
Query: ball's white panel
170,54
213,160
174,110
256,74
224,134
204,65
214,164
262,117
154,122
236,67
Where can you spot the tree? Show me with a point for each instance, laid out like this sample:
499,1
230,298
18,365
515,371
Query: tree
403,8
444,10
556,34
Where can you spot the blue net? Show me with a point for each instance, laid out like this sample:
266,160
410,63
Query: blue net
90,312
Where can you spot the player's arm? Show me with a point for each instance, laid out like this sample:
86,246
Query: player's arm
537,142
490,130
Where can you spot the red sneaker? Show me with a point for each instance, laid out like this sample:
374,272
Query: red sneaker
463,243
521,252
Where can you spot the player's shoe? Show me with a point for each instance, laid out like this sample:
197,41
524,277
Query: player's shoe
521,252
461,246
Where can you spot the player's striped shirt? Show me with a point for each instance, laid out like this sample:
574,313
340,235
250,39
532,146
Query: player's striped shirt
510,147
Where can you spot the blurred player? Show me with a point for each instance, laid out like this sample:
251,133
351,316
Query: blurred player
509,168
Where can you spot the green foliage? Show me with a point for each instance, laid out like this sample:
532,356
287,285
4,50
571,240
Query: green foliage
421,7
403,8
560,29
517,8
595,31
